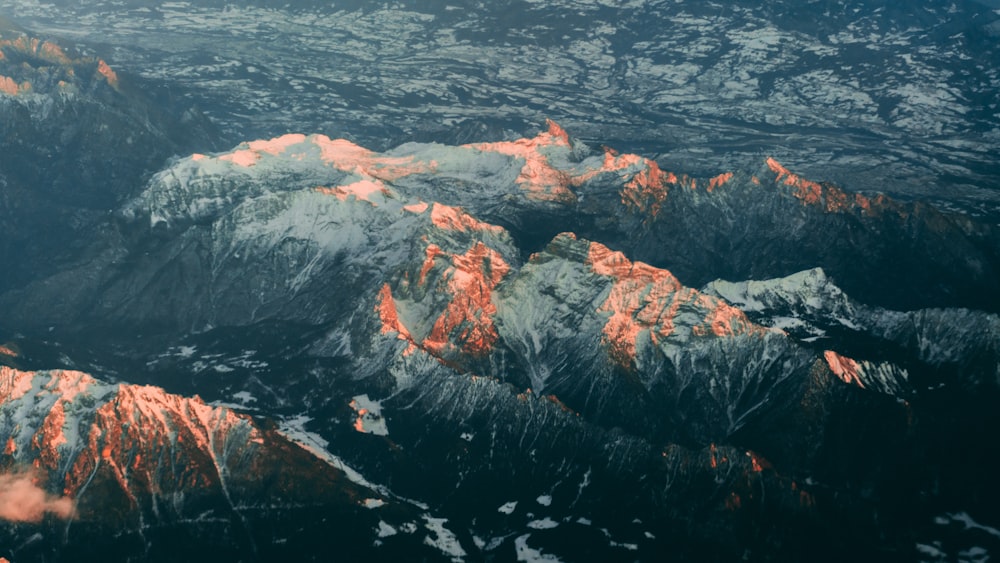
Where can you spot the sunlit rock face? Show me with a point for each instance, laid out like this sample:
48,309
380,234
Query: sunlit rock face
309,212
512,335
121,470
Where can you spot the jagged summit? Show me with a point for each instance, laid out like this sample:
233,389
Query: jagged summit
41,67
124,464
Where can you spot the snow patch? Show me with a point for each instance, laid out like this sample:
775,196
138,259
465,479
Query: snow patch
530,555
385,530
444,539
369,419
543,524
508,508
970,524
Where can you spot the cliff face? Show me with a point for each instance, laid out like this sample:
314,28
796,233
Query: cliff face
94,469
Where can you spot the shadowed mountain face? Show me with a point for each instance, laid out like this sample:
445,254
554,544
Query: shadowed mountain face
76,141
511,334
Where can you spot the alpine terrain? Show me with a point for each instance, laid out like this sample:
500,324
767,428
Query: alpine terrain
490,341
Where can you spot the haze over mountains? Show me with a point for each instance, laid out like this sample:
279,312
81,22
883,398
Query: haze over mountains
642,330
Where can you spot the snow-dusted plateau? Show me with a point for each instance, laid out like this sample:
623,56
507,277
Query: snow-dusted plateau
526,281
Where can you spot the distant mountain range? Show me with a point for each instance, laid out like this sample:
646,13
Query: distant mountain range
874,95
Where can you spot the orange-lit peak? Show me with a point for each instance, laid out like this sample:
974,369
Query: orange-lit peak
606,262
538,177
463,318
455,219
757,462
53,52
277,145
556,135
832,199
806,190
108,73
7,351
350,157
843,367
644,303
722,319
11,88
68,384
468,319
719,181
254,149
648,189
417,208
14,384
389,315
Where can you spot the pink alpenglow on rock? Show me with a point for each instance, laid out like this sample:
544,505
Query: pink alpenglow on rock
465,324
251,154
455,219
243,157
417,208
471,280
843,367
719,181
645,300
542,181
108,73
278,145
349,157
388,315
11,88
832,199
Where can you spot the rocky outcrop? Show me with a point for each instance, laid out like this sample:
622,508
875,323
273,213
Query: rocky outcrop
127,470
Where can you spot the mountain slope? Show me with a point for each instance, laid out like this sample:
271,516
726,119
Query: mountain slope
77,140
134,472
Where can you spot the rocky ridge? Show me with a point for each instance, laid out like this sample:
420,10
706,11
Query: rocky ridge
490,302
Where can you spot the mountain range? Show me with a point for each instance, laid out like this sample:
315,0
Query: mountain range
511,348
